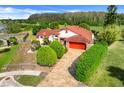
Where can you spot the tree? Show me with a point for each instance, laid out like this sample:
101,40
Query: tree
111,15
109,34
13,27
36,29
54,25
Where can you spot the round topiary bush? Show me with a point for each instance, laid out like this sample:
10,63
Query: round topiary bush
46,56
58,48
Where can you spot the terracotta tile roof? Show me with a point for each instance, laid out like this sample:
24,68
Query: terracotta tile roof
82,33
47,32
76,38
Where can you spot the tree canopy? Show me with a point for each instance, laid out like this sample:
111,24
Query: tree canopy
111,15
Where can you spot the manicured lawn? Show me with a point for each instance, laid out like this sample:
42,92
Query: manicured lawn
6,55
96,28
29,80
111,71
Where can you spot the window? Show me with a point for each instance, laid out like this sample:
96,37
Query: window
56,35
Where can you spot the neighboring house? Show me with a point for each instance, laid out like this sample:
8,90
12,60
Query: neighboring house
71,36
50,34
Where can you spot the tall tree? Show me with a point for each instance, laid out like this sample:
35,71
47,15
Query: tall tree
111,15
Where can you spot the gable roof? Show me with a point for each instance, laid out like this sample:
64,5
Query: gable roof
47,32
82,32
76,38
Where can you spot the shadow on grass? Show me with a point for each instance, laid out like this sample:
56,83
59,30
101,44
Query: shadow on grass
72,68
4,50
117,73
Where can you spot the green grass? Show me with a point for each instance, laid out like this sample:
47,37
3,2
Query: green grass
29,80
100,28
96,28
111,71
31,36
6,55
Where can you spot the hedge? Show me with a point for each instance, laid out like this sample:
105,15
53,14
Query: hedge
46,56
88,62
58,48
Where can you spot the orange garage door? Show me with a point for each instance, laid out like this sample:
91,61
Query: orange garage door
77,45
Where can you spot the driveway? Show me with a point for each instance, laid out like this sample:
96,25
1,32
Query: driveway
60,76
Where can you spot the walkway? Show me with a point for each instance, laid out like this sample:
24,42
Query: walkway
27,72
10,82
60,76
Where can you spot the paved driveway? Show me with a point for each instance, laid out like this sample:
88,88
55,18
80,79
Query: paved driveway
60,76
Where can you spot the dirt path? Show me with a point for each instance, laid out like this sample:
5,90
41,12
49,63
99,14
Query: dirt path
22,55
60,76
25,61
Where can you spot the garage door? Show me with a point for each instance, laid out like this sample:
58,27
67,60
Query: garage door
77,45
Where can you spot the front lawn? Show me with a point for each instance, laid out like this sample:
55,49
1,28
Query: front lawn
29,80
111,71
6,55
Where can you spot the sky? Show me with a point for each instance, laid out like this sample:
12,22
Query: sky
24,11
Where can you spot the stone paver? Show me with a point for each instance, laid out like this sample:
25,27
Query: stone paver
60,76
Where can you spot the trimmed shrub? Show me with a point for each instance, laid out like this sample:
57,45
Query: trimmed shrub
46,41
58,48
46,56
89,61
12,41
25,37
84,25
109,34
35,45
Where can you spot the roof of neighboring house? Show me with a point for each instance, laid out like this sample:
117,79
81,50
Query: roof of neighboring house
82,33
47,32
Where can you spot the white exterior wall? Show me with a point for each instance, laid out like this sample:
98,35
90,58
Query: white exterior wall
63,34
51,38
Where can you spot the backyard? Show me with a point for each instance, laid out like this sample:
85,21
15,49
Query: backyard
6,55
111,72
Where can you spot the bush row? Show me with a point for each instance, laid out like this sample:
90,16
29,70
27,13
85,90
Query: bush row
89,61
58,48
47,55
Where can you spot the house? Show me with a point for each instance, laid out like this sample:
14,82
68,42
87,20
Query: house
76,37
50,34
71,36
